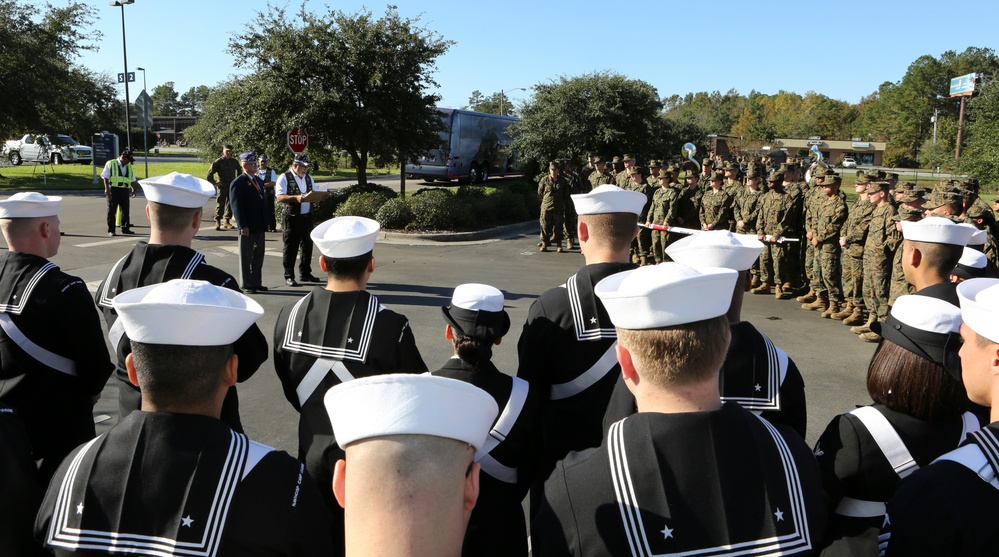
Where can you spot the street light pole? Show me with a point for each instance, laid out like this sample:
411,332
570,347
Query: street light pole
503,96
145,132
124,52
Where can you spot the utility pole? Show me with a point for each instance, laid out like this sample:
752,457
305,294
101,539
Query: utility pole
935,118
960,130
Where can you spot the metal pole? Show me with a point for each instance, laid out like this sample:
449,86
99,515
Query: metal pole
124,52
935,118
145,133
960,130
501,102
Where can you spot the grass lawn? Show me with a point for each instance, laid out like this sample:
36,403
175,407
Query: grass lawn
34,177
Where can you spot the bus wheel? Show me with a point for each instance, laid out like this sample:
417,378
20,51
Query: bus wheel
474,174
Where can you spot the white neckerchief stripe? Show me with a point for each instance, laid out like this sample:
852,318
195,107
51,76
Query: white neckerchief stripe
192,265
359,354
618,465
18,307
105,300
583,332
60,534
777,363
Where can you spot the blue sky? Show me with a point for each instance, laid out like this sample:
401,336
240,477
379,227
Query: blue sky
841,49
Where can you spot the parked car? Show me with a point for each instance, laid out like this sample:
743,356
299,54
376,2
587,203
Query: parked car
41,148
849,162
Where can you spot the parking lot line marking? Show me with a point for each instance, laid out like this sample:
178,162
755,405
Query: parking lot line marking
127,238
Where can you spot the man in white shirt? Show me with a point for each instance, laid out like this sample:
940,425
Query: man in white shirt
118,178
296,221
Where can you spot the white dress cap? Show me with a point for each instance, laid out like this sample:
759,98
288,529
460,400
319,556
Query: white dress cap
717,248
973,258
665,295
28,205
344,237
980,306
979,238
407,404
609,198
925,313
186,313
938,230
178,190
477,297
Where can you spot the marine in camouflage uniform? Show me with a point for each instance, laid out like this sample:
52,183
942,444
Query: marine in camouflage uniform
830,215
600,174
687,209
716,206
642,245
774,219
663,201
576,185
553,190
797,189
883,238
852,239
812,196
985,221
622,177
745,207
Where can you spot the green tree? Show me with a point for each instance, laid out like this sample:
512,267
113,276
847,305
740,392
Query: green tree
602,112
166,102
980,156
354,82
42,87
491,104
192,102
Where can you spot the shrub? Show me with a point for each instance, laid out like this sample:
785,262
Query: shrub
473,192
433,191
395,213
439,211
362,205
509,207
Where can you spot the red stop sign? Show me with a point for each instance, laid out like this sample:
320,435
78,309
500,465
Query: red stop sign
298,140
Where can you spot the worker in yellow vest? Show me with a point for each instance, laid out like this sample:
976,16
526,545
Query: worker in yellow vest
119,178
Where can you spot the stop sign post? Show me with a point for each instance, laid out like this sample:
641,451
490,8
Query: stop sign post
298,140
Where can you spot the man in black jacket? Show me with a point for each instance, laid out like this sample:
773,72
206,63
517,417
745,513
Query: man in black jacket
246,195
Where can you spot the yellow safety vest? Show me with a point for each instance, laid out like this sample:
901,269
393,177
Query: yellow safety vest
119,181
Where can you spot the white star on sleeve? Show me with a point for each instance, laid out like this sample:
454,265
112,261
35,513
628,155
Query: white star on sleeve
667,532
758,387
593,320
779,514
350,340
187,521
79,509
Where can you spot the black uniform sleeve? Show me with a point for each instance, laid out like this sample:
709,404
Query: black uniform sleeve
86,345
410,360
252,351
838,454
534,346
553,528
20,493
282,366
792,393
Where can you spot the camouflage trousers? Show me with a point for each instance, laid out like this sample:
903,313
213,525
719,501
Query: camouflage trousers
877,278
853,279
899,286
643,244
773,264
569,224
659,245
552,222
828,270
810,277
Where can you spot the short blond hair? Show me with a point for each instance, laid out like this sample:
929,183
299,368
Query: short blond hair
680,355
611,230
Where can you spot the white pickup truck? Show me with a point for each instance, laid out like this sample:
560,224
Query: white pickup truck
58,149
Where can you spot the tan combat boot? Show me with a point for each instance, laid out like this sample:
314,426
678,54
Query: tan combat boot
544,246
763,288
820,302
866,327
833,308
847,311
870,337
808,298
858,317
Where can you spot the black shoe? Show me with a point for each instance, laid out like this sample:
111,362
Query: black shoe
262,288
290,282
249,290
309,278
127,231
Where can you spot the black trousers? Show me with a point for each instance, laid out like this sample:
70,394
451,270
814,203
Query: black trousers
118,198
295,234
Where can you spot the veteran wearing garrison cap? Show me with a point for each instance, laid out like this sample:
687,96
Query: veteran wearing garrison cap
475,322
53,359
294,189
336,333
409,480
951,506
174,207
172,475
687,474
249,206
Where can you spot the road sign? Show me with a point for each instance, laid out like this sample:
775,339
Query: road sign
144,109
131,77
298,140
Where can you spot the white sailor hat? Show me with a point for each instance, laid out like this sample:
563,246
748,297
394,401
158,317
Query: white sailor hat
344,237
29,204
926,326
980,306
979,238
973,264
476,310
717,248
938,230
178,190
609,198
665,295
186,313
408,404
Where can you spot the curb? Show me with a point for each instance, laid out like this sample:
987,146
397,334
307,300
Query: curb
507,231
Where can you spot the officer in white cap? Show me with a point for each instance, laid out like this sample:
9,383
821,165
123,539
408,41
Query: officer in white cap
930,250
475,322
172,475
757,374
688,474
408,482
335,334
291,190
53,362
567,344
951,506
174,206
